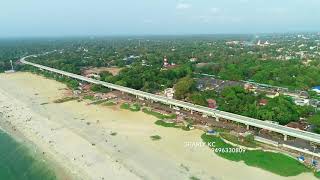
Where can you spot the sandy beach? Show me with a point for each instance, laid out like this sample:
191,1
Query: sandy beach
78,137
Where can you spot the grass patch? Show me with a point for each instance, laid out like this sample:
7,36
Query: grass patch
159,115
166,124
99,102
132,107
172,125
247,141
155,137
317,174
108,103
113,133
65,99
274,162
194,178
88,97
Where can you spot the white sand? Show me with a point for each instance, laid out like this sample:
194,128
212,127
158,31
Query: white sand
58,129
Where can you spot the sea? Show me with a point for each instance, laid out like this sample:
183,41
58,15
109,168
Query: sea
19,162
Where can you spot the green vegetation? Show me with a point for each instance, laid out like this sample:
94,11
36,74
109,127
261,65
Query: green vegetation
315,121
108,103
99,88
314,95
99,102
89,97
274,162
194,178
113,133
317,174
159,115
155,137
166,124
172,125
247,141
213,55
292,74
184,87
132,107
65,99
239,101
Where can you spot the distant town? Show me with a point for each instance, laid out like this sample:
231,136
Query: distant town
269,77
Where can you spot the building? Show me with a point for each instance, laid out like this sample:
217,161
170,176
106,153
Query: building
249,87
263,102
296,125
212,103
93,75
169,93
316,89
167,65
215,84
193,59
301,102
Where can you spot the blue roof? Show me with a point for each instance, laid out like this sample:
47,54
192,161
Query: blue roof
316,87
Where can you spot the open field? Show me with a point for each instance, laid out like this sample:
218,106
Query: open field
79,137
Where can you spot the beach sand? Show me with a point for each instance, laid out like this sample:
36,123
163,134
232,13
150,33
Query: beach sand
78,138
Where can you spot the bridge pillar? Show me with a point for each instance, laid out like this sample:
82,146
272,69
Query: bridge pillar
285,137
191,111
217,118
248,127
170,105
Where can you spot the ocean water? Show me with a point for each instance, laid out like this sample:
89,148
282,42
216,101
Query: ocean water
18,163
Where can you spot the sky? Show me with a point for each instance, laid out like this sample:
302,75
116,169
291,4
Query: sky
38,18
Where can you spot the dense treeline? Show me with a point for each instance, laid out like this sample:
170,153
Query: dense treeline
236,100
292,74
141,59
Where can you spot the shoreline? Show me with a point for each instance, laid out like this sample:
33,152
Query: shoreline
34,151
88,129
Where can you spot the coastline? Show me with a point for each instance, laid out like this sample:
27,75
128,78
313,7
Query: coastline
131,151
35,152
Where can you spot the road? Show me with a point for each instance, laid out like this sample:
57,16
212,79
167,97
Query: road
210,112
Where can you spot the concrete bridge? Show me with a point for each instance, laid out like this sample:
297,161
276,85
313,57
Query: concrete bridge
286,131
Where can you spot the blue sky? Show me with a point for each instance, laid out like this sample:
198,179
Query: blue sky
22,18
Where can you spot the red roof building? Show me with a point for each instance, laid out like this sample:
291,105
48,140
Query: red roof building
263,102
212,103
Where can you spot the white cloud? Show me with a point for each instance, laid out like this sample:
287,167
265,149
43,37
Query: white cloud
182,6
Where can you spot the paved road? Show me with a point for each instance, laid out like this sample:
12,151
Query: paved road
211,112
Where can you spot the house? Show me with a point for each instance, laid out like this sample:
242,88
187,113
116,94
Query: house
85,87
249,87
263,102
212,103
193,59
296,125
169,93
301,102
93,75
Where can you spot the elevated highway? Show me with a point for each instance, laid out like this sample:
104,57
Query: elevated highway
286,131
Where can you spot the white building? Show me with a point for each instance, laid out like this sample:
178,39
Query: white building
169,93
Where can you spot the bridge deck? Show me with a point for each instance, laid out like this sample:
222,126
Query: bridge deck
211,112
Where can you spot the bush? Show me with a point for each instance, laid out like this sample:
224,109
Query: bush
155,137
